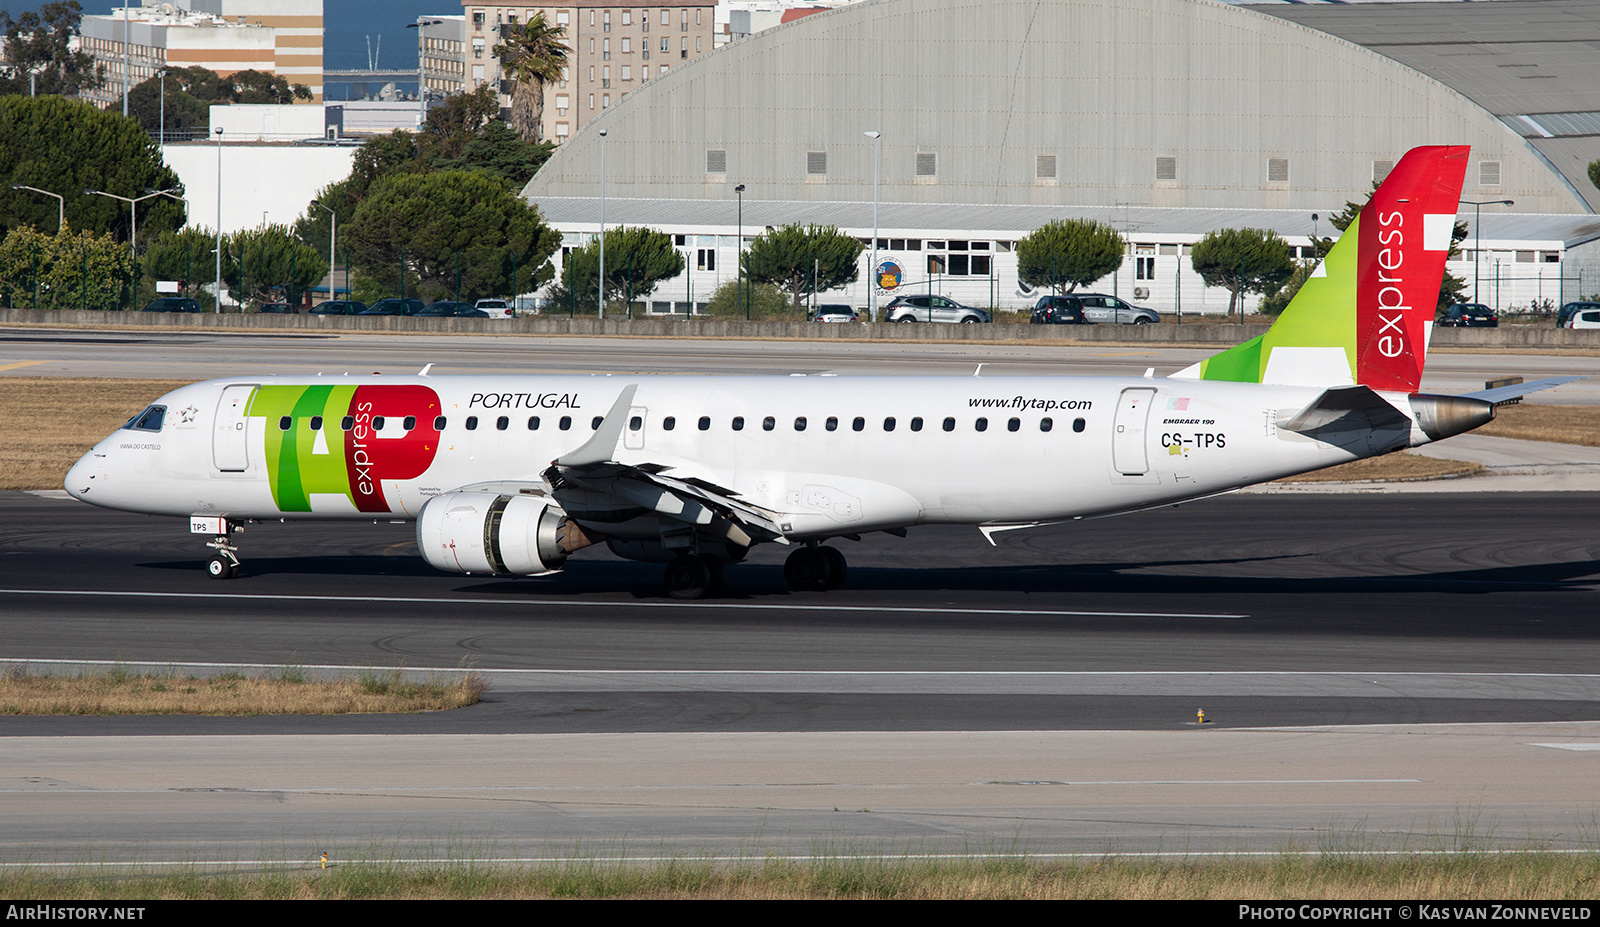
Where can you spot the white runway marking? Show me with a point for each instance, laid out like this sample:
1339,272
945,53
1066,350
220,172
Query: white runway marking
739,606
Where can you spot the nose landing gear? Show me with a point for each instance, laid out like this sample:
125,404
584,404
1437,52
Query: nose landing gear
224,564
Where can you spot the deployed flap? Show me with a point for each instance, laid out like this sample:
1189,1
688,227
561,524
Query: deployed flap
602,445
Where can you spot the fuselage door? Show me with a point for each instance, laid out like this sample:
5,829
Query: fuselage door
1128,445
633,428
230,442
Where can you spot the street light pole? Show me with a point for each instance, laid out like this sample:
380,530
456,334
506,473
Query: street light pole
1477,229
163,117
61,204
872,268
602,296
422,84
133,204
739,254
333,236
217,307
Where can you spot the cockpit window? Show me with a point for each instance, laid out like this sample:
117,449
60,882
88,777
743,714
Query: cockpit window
148,420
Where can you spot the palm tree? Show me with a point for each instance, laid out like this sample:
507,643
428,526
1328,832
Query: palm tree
532,54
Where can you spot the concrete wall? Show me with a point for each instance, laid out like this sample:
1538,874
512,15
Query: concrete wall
1532,337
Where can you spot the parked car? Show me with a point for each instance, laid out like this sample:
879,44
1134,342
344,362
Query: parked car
451,309
932,309
1585,318
1059,310
339,307
394,305
835,312
172,304
278,308
1467,315
496,308
1102,308
1571,309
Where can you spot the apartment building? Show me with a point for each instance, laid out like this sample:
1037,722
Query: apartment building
444,56
282,37
615,49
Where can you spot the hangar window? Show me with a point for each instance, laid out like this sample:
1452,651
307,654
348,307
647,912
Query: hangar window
816,162
1166,168
927,164
1488,173
1044,167
1277,170
717,161
1380,170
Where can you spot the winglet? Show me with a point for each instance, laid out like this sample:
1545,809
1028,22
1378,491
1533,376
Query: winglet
602,445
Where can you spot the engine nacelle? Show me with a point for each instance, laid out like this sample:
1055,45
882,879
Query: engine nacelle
485,532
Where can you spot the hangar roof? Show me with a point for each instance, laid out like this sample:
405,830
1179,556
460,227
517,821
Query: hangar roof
1533,63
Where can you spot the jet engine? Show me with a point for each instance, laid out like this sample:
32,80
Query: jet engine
485,532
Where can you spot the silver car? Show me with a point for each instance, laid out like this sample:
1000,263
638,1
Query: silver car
1103,309
932,309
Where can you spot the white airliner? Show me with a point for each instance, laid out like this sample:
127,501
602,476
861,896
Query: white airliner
513,474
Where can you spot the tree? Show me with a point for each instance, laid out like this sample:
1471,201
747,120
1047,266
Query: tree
68,146
187,256
65,271
457,119
757,300
532,54
1594,172
1069,253
1244,261
39,57
498,149
803,259
450,229
270,264
637,260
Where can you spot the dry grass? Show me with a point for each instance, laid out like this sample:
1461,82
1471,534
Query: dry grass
120,692
47,423
1459,875
1391,468
1538,422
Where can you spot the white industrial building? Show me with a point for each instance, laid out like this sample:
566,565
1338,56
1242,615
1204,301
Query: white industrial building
1165,118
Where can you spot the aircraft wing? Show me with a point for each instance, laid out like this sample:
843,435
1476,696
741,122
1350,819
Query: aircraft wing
591,478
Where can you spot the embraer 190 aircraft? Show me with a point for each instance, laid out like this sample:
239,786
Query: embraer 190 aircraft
514,474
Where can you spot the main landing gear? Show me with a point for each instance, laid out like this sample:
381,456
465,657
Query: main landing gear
815,568
693,576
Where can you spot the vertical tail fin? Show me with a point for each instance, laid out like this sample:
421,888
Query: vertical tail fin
1365,314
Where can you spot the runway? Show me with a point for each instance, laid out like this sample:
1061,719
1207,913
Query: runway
1396,671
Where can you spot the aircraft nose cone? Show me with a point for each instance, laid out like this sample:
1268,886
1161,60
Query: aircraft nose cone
85,476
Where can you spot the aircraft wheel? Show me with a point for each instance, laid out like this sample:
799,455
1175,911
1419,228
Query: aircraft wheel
718,571
220,567
807,570
837,567
688,577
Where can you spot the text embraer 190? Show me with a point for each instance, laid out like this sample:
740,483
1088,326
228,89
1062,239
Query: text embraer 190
514,474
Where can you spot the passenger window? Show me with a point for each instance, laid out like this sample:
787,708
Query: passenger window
769,423
1046,424
438,423
800,423
377,423
634,424
705,423
1014,425
594,423
472,423
346,423
888,424
981,424
1077,424
949,424
502,423
316,423
285,422
533,423
669,423
832,423
738,423
858,424
566,422
410,423
916,423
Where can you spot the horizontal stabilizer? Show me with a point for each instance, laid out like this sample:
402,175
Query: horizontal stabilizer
1518,390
